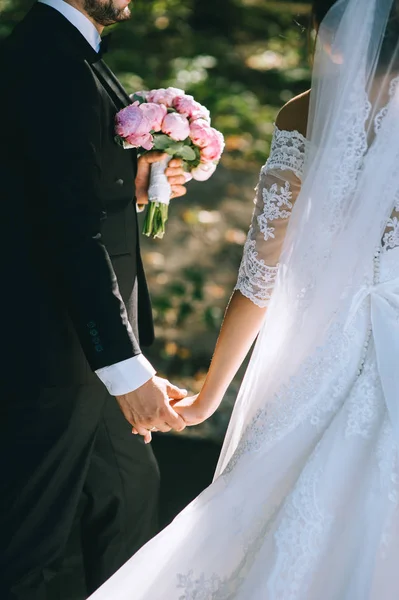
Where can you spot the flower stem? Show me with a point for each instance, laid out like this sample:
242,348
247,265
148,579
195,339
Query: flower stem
155,220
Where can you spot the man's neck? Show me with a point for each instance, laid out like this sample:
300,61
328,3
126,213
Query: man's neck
78,5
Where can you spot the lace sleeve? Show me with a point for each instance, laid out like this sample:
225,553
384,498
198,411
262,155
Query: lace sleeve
278,188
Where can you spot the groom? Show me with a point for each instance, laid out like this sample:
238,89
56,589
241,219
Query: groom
75,307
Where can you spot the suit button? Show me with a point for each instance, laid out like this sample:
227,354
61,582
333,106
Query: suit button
119,182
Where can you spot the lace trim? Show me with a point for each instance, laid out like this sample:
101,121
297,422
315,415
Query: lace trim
384,111
287,152
274,199
255,279
391,236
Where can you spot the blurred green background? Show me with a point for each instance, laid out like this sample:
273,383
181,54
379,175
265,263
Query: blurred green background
243,59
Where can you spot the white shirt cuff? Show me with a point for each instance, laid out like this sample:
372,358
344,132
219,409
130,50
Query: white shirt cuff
126,376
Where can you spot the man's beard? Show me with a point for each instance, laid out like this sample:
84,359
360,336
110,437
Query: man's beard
105,14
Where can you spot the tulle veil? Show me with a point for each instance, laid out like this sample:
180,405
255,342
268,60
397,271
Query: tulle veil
350,187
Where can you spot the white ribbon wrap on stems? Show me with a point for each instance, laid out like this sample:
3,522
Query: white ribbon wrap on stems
159,189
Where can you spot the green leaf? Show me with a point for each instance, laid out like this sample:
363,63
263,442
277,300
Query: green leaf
178,146
118,140
162,142
186,153
137,98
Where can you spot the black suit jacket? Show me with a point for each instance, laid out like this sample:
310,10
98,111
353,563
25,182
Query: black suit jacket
74,292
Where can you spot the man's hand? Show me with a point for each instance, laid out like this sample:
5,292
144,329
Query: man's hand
148,408
175,174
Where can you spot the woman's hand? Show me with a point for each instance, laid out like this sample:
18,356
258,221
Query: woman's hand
194,410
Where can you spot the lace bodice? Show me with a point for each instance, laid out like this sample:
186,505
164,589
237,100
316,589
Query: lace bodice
278,188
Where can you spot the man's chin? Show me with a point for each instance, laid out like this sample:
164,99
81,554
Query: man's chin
124,15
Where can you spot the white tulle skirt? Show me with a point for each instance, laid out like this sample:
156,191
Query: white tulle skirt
307,508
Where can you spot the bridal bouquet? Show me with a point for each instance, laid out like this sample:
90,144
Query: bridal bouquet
173,122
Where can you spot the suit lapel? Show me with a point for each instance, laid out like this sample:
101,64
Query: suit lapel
111,84
115,91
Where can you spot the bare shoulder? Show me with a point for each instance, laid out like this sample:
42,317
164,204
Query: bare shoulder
294,115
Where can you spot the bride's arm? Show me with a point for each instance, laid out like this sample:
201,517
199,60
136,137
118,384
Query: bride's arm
277,190
241,325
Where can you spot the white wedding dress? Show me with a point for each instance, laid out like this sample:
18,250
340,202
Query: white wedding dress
307,507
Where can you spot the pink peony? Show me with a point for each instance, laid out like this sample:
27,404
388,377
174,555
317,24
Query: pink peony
204,171
155,113
164,96
201,133
176,126
132,121
213,151
134,127
186,105
145,141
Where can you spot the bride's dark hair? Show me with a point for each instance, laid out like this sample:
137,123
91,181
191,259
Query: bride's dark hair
321,7
319,10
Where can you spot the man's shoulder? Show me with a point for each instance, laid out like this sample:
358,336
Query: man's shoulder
34,60
29,44
45,41
294,115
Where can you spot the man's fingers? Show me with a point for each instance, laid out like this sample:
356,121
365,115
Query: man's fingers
175,392
178,191
141,430
163,427
174,420
145,433
176,162
174,171
176,180
152,157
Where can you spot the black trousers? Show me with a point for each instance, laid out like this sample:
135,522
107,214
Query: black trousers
65,447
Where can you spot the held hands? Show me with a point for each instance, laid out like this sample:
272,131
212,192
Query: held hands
194,410
149,408
175,174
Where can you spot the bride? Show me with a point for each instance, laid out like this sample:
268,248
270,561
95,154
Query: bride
305,501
